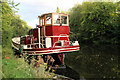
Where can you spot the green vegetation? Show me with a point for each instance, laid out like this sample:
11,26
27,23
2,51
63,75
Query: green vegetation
16,68
13,67
58,10
12,25
91,22
96,22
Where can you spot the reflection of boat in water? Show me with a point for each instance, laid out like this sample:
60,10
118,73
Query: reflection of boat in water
50,37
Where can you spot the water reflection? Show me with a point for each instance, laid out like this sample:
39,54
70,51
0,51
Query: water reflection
95,61
68,72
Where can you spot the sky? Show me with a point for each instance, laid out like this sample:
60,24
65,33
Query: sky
29,10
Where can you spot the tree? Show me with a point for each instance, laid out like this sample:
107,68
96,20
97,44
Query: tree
10,24
58,10
95,22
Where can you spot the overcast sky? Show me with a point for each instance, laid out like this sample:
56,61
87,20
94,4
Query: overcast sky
29,10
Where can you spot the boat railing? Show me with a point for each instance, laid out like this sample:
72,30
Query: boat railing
65,35
34,45
62,42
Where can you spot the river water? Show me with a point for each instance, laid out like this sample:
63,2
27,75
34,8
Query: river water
94,62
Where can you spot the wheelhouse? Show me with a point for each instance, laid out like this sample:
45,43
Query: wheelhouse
52,31
53,19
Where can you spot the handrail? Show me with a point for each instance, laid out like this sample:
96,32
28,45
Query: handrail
59,41
35,44
63,35
55,43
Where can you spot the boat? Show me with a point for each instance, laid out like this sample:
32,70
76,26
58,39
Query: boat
50,37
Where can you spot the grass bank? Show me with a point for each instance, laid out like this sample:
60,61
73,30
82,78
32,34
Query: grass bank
13,67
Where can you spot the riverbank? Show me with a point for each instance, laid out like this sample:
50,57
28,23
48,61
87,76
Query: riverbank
13,67
17,68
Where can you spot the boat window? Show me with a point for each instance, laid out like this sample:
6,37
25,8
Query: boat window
31,32
64,19
56,19
43,21
40,22
48,19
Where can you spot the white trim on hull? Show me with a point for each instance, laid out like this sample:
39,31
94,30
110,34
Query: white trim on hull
15,47
52,51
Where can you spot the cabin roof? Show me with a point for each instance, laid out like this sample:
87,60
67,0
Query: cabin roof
52,13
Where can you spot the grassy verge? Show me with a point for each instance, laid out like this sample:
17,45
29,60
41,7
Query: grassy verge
13,67
0,61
